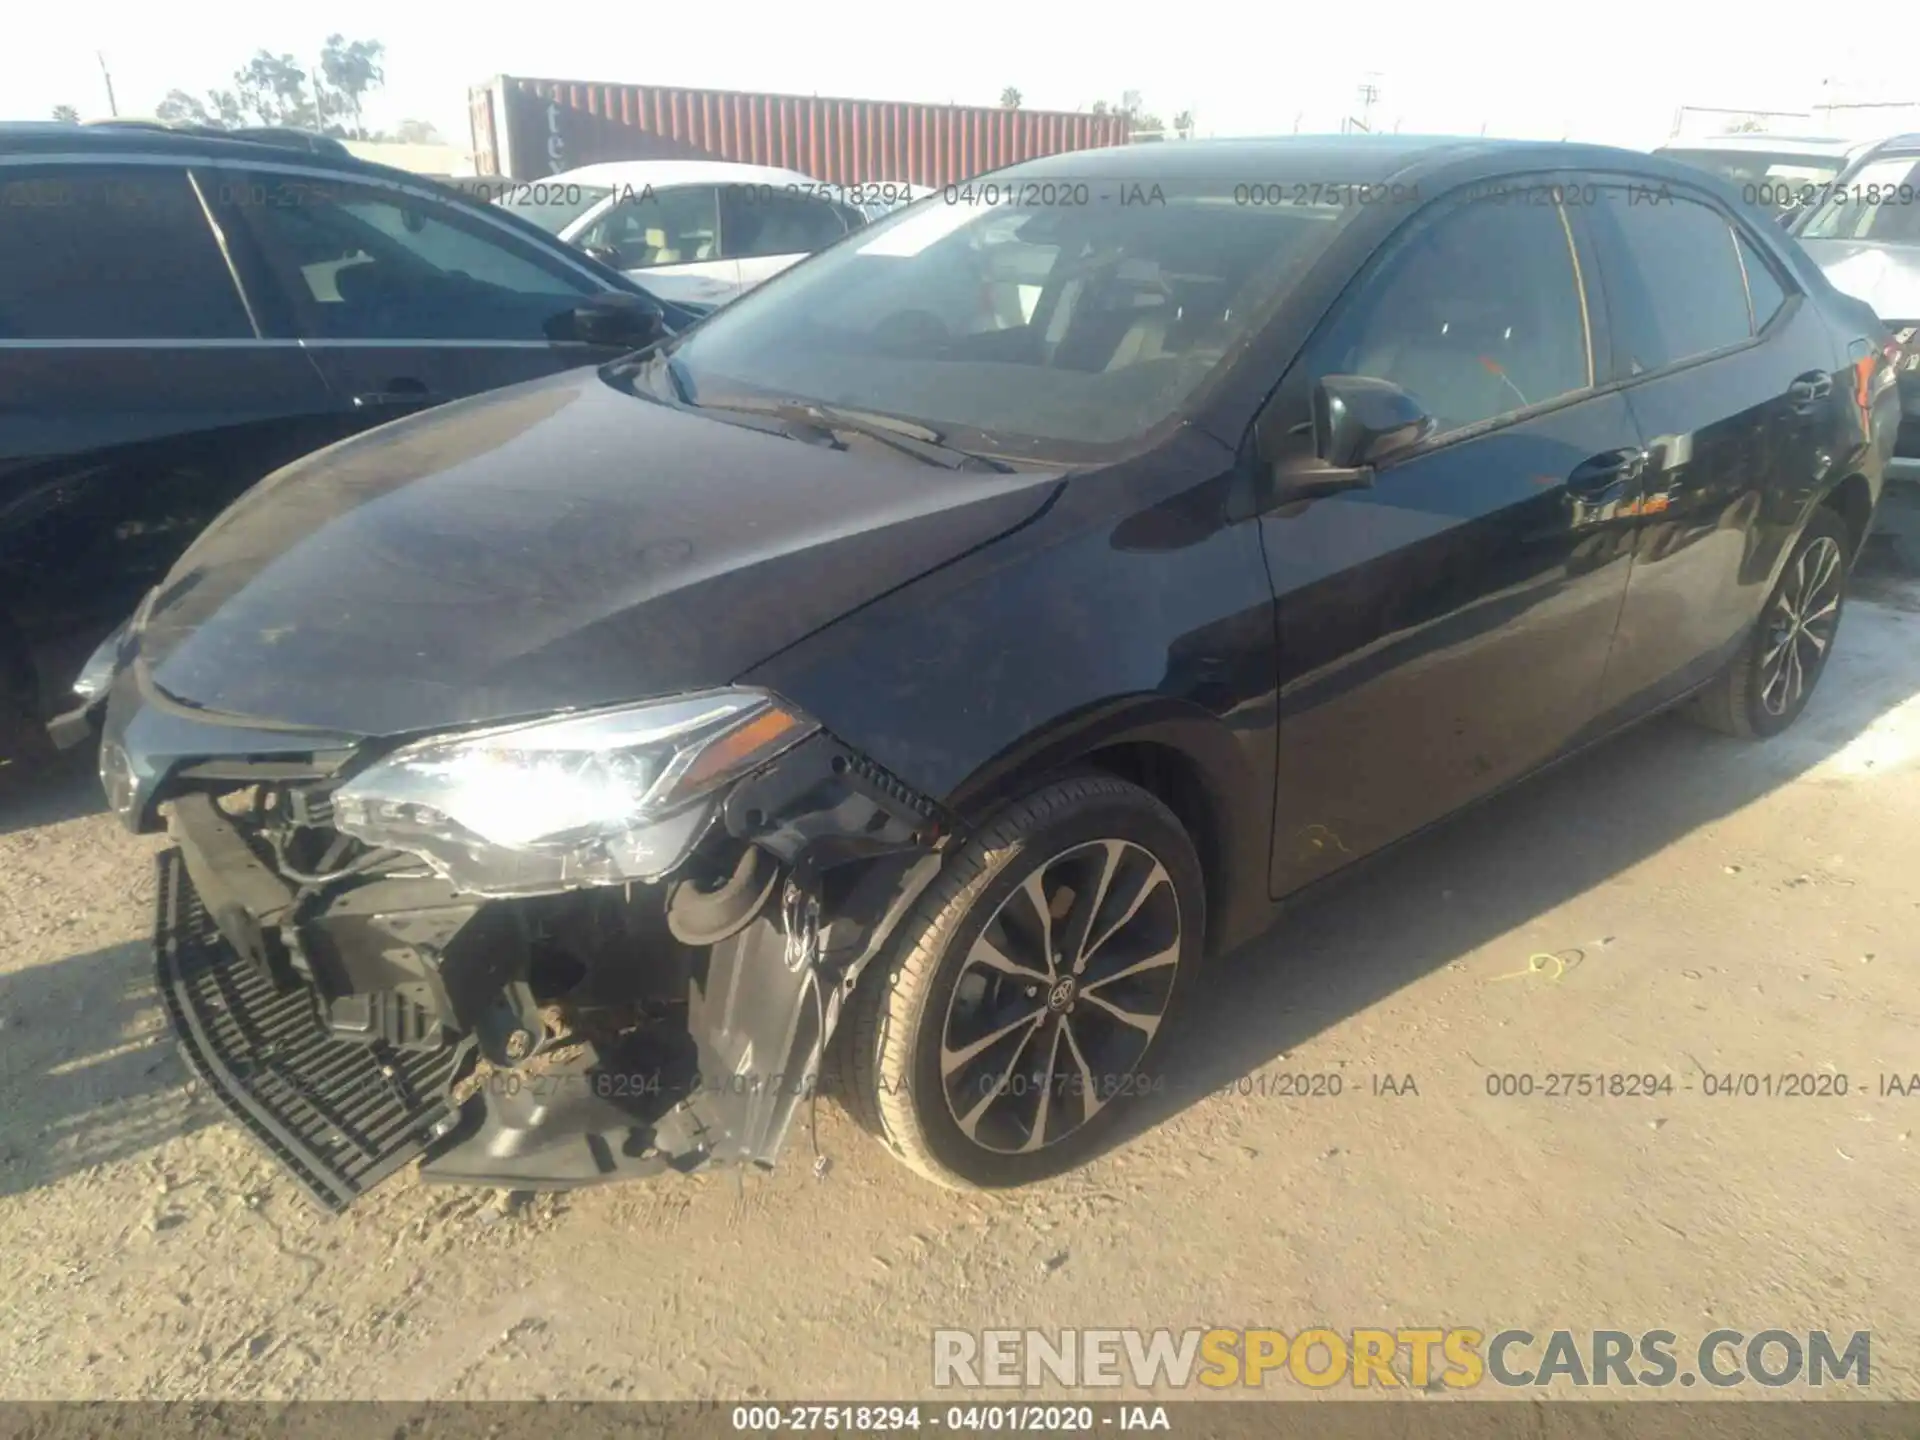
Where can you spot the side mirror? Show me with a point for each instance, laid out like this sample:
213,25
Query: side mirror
1360,422
614,320
1787,216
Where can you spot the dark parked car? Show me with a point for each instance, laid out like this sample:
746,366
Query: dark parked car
182,312
880,663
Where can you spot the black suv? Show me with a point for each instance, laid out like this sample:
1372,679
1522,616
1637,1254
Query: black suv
182,312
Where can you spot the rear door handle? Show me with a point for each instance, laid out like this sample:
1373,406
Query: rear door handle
402,391
1594,478
1810,389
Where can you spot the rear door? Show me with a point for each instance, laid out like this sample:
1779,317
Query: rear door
404,300
137,395
1738,393
1445,631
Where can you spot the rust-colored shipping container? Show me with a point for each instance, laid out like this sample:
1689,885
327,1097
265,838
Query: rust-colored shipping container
527,129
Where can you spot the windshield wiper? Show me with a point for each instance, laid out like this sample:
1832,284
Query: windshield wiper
919,441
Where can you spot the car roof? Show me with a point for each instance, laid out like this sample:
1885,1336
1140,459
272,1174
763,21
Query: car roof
1892,145
1343,160
30,137
1822,147
632,174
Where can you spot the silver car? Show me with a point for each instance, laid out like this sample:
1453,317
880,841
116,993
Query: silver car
1864,233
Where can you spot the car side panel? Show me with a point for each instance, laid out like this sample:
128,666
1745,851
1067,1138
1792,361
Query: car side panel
1132,612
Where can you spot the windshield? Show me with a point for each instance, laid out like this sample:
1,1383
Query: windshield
1054,316
553,204
1773,181
1876,203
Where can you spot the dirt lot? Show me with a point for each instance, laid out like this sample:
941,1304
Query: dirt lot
1725,908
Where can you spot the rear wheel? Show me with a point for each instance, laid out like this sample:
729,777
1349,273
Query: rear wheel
1766,686
1028,987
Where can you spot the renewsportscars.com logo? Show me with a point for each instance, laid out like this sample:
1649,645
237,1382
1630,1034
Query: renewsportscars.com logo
1417,1358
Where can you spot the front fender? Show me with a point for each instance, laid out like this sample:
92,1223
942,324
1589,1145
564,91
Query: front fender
1132,614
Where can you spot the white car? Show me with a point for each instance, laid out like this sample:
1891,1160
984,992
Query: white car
694,231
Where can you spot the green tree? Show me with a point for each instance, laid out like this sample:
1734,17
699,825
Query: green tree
351,69
273,90
276,90
416,132
66,113
1010,98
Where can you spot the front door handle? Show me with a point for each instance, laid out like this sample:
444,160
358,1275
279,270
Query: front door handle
1597,477
404,390
1810,389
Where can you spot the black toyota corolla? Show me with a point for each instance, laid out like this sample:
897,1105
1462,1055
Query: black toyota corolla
917,669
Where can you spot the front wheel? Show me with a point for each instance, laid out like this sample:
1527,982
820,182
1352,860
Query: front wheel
1768,683
1029,986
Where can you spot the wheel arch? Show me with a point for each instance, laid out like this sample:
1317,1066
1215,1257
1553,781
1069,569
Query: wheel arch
1188,759
1852,500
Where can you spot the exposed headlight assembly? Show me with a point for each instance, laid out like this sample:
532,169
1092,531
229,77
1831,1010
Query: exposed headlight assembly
587,799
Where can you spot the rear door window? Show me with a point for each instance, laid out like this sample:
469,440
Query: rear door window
105,252
761,220
670,225
1676,286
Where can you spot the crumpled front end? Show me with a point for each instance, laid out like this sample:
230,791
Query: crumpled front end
354,1008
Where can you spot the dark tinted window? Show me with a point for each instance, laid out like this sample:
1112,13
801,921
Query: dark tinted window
673,225
369,262
1674,283
111,253
762,220
1764,290
1477,315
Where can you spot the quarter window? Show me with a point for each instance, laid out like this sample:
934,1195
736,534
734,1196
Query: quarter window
104,252
1477,315
366,262
1675,284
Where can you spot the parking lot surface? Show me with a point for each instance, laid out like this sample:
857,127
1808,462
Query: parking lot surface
1672,904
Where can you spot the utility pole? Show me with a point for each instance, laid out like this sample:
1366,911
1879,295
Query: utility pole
112,107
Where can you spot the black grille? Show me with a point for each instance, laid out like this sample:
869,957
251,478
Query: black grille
339,1115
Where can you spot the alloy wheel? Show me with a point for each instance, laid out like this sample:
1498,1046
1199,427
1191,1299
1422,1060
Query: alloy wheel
1800,626
1060,995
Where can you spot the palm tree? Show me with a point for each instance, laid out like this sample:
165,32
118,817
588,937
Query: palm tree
1010,98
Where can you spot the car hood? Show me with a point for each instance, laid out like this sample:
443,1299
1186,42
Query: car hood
1886,276
559,544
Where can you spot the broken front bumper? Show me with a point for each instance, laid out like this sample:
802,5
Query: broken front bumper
339,1116
351,1031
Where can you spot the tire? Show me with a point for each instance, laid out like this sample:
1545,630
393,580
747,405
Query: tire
1123,877
1756,696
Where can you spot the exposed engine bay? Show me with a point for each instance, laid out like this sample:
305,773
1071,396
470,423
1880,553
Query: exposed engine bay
355,1009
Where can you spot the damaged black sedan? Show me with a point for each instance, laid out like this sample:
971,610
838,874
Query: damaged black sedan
920,666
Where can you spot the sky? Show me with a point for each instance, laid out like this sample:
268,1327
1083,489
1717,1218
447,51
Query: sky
1614,74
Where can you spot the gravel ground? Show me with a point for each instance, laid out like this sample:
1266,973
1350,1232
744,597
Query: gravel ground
1724,907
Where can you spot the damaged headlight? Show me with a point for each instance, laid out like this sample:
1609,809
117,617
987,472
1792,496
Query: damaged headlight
589,799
